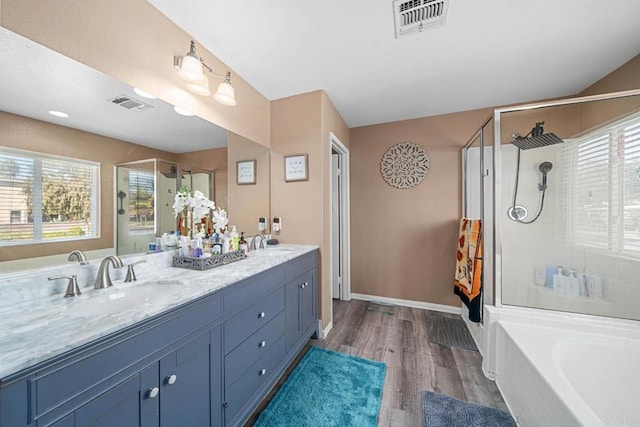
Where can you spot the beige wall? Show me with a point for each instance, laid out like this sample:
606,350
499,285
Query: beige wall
403,241
34,135
247,202
302,124
133,42
626,77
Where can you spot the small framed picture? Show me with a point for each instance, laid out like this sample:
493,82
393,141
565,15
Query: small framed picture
246,172
296,168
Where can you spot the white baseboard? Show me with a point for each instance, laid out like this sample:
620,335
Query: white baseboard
324,332
408,303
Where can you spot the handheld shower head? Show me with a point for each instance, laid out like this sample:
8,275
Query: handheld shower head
545,168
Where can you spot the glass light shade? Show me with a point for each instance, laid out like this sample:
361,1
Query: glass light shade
191,70
225,94
200,88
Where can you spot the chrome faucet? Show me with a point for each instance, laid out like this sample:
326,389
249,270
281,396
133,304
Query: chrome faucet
131,275
103,280
79,256
261,244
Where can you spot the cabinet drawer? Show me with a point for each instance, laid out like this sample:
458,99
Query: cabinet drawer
254,288
239,360
242,325
296,267
249,382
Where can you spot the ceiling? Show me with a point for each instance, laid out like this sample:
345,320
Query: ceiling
488,53
43,80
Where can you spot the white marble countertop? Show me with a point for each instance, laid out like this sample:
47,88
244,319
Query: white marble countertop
36,327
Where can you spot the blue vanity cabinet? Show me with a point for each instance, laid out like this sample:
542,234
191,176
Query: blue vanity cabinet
207,362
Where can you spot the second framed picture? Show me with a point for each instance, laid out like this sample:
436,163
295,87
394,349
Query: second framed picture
296,168
246,172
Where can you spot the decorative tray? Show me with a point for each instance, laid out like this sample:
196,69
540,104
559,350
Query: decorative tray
193,263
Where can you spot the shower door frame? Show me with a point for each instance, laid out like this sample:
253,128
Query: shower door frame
497,169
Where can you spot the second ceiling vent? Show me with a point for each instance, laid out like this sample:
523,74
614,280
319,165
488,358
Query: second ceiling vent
414,15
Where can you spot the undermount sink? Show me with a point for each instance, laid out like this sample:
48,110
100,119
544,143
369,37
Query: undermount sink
271,250
123,297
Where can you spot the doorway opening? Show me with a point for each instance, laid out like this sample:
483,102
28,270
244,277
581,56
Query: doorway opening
340,225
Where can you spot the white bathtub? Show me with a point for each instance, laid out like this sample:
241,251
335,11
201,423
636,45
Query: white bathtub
552,376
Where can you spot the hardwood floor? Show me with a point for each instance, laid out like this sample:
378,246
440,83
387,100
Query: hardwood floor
414,364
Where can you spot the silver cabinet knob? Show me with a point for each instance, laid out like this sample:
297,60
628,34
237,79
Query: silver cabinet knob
302,286
152,393
171,379
262,344
262,372
262,314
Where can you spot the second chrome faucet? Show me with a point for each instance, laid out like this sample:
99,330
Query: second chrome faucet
103,280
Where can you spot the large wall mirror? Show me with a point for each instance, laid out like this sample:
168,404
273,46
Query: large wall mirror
112,124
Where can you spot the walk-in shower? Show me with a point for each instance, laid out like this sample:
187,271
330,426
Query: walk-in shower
578,184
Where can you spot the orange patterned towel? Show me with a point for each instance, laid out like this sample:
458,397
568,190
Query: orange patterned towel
468,278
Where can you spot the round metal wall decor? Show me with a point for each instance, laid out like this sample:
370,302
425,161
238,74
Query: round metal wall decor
404,165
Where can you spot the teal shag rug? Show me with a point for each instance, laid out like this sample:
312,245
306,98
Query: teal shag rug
328,389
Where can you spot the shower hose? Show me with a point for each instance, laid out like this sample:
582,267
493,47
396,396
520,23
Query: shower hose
515,195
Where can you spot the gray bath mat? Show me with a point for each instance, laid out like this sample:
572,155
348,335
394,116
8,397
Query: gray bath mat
381,307
451,332
439,410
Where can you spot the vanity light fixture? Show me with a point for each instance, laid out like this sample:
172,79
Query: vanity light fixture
191,69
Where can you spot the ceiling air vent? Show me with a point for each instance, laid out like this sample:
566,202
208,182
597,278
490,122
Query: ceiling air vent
130,103
414,15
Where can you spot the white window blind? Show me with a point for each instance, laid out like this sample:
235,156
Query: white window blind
141,202
603,188
46,198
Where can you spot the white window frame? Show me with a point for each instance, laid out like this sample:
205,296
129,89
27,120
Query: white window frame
37,196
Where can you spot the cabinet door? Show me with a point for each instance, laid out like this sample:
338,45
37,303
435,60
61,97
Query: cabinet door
119,406
185,385
308,306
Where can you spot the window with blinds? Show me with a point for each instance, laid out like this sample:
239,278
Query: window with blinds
603,185
141,202
46,198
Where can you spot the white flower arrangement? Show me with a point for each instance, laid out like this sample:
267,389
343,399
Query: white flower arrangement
193,209
220,219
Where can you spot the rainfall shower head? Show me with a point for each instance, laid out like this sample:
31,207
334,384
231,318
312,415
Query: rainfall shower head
537,139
